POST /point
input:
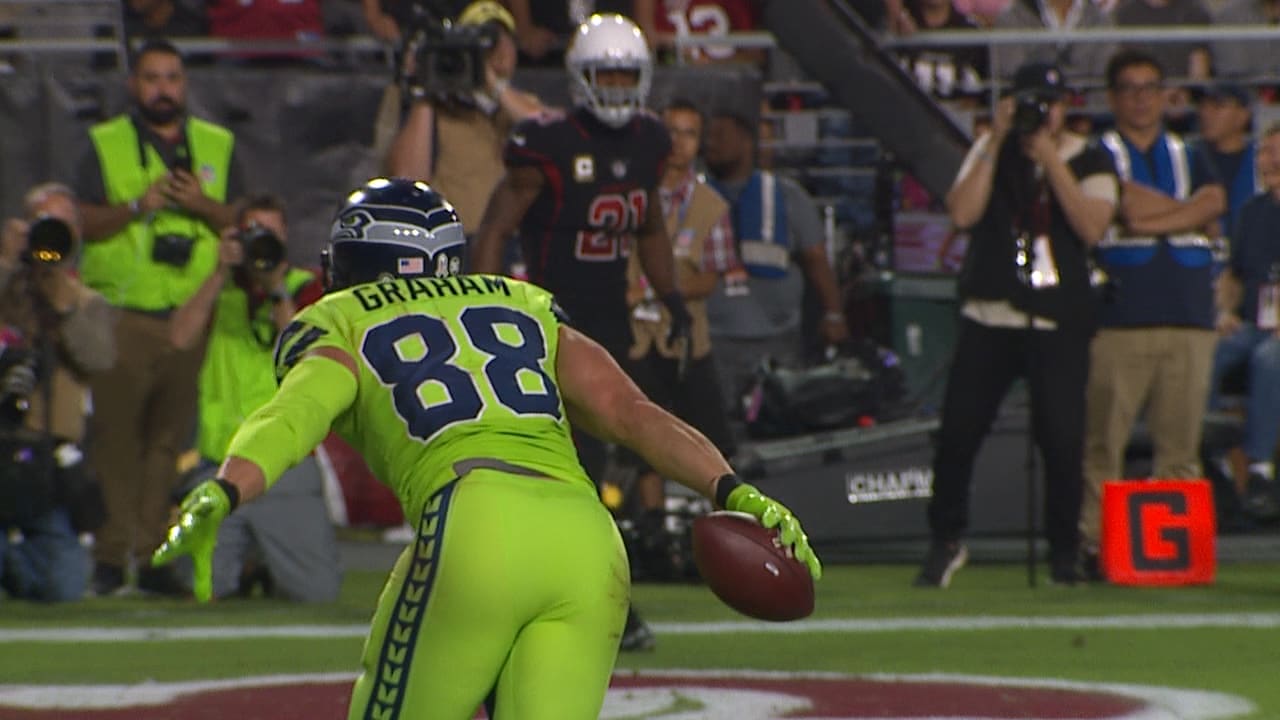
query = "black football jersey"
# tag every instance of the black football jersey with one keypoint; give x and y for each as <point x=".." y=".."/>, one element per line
<point x="578" y="233"/>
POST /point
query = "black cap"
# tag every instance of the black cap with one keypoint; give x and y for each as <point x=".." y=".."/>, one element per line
<point x="1226" y="91"/>
<point x="1041" y="78"/>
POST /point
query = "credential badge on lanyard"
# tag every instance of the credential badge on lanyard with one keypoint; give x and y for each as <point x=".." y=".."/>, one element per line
<point x="1269" y="300"/>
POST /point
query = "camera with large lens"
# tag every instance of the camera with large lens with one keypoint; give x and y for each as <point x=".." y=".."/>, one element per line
<point x="449" y="58"/>
<point x="49" y="241"/>
<point x="1030" y="111"/>
<point x="263" y="249"/>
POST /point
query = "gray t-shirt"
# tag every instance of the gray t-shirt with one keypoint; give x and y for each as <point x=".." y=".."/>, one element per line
<point x="771" y="306"/>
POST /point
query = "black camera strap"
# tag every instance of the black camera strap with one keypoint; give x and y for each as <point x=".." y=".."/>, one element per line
<point x="1036" y="216"/>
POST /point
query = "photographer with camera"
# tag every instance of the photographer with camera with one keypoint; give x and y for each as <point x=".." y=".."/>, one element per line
<point x="154" y="189"/>
<point x="463" y="107"/>
<point x="239" y="312"/>
<point x="54" y="333"/>
<point x="1034" y="198"/>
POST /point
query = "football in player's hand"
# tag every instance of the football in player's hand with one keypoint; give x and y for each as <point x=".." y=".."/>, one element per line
<point x="746" y="567"/>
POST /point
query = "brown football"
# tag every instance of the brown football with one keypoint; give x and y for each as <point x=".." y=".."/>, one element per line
<point x="745" y="567"/>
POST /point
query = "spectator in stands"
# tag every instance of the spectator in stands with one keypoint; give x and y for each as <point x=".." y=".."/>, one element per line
<point x="1078" y="61"/>
<point x="54" y="333"/>
<point x="1226" y="114"/>
<point x="755" y="313"/>
<point x="161" y="18"/>
<point x="1188" y="60"/>
<point x="456" y="143"/>
<point x="1241" y="58"/>
<point x="664" y="20"/>
<point x="1247" y="324"/>
<point x="1035" y="198"/>
<point x="239" y="312"/>
<point x="265" y="19"/>
<point x="698" y="222"/>
<point x="381" y="19"/>
<point x="154" y="189"/>
<point x="952" y="73"/>
<point x="544" y="27"/>
<point x="1155" y="345"/>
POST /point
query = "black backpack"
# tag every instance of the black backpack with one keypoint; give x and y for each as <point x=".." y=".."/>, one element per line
<point x="863" y="383"/>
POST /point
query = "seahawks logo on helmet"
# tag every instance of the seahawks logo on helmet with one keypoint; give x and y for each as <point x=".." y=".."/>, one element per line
<point x="393" y="228"/>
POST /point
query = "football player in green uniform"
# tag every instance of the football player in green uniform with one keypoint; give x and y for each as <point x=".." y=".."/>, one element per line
<point x="459" y="391"/>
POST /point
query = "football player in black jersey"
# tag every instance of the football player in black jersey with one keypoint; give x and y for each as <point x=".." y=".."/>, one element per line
<point x="582" y="188"/>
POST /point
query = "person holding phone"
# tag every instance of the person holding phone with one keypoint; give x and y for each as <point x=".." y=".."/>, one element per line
<point x="156" y="187"/>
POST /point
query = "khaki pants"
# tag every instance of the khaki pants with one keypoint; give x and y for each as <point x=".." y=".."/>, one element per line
<point x="1166" y="370"/>
<point x="144" y="416"/>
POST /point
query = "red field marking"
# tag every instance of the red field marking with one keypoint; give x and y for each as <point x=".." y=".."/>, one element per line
<point x="742" y="698"/>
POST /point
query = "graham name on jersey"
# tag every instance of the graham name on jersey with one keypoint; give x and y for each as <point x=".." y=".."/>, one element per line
<point x="376" y="295"/>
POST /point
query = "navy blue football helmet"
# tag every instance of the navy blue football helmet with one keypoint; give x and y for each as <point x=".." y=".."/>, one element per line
<point x="392" y="228"/>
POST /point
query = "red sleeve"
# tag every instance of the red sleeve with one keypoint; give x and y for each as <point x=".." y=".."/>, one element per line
<point x="309" y="293"/>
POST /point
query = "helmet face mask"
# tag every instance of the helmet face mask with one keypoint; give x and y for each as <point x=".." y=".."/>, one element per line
<point x="389" y="229"/>
<point x="609" y="42"/>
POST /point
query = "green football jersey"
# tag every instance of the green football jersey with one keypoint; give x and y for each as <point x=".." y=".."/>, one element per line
<point x="450" y="369"/>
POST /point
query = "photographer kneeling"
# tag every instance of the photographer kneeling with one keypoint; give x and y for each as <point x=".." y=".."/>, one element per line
<point x="243" y="307"/>
<point x="54" y="332"/>
<point x="1034" y="198"/>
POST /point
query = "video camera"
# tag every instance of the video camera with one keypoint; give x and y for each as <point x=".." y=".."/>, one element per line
<point x="263" y="249"/>
<point x="449" y="59"/>
<point x="49" y="241"/>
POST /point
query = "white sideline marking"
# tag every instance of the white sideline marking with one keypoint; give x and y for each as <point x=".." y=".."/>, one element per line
<point x="844" y="625"/>
<point x="1163" y="703"/>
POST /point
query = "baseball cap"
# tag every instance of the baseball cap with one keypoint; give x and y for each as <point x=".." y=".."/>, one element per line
<point x="1226" y="91"/>
<point x="1041" y="78"/>
<point x="487" y="11"/>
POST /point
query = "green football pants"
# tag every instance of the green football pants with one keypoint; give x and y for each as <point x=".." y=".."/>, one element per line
<point x="514" y="593"/>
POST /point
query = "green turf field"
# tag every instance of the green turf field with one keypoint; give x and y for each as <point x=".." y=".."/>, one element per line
<point x="1085" y="634"/>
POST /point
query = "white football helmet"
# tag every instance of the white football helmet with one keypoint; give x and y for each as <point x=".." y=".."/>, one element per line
<point x="609" y="42"/>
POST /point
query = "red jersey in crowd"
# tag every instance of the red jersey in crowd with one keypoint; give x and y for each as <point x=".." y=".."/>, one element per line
<point x="265" y="19"/>
<point x="706" y="17"/>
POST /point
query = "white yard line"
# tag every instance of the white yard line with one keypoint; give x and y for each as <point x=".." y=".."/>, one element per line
<point x="927" y="624"/>
<point x="1162" y="703"/>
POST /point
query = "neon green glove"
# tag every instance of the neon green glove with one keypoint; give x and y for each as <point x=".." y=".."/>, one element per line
<point x="771" y="513"/>
<point x="196" y="533"/>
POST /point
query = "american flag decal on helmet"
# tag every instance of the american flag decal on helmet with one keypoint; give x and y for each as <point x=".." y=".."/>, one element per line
<point x="409" y="265"/>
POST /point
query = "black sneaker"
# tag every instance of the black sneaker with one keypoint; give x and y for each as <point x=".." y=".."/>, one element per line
<point x="636" y="636"/>
<point x="107" y="580"/>
<point x="941" y="563"/>
<point x="1064" y="571"/>
<point x="159" y="581"/>
<point x="1260" y="498"/>
<point x="1091" y="567"/>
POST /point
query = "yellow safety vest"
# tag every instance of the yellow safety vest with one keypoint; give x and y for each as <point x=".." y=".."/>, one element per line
<point x="120" y="266"/>
<point x="238" y="375"/>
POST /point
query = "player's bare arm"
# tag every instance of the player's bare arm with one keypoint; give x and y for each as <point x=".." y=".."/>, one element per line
<point x="654" y="245"/>
<point x="509" y="202"/>
<point x="601" y="399"/>
<point x="296" y="413"/>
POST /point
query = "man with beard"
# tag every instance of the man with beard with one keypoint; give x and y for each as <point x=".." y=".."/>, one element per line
<point x="154" y="188"/>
